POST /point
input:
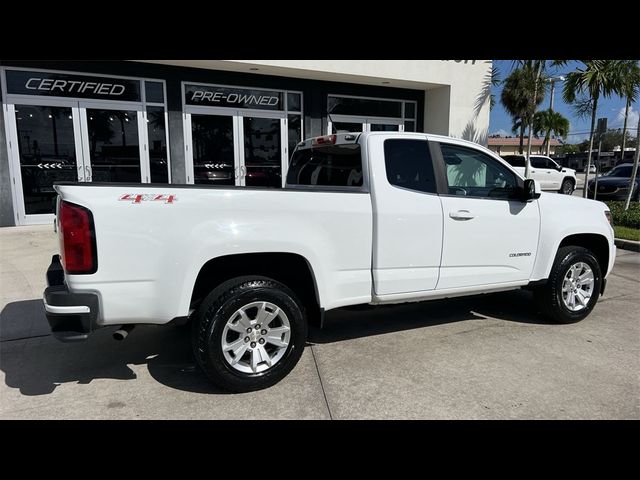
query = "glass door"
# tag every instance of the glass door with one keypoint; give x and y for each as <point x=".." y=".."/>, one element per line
<point x="47" y="150"/>
<point x="262" y="151"/>
<point x="113" y="150"/>
<point x="235" y="147"/>
<point x="213" y="149"/>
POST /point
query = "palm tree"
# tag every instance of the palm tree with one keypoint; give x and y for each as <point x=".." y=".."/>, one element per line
<point x="549" y="122"/>
<point x="495" y="81"/>
<point x="597" y="78"/>
<point x="515" y="98"/>
<point x="631" y="90"/>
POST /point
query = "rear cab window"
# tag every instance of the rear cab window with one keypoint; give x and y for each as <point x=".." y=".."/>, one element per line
<point x="327" y="165"/>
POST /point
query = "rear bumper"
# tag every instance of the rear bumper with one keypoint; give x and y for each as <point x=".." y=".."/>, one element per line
<point x="71" y="316"/>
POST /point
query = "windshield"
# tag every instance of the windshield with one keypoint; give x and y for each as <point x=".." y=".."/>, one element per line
<point x="620" y="171"/>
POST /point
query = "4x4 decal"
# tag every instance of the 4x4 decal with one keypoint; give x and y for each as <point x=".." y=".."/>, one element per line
<point x="148" y="197"/>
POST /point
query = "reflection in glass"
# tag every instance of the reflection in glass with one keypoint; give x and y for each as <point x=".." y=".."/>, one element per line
<point x="384" y="127"/>
<point x="47" y="152"/>
<point x="213" y="158"/>
<point x="342" y="127"/>
<point x="114" y="147"/>
<point x="157" y="145"/>
<point x="262" y="152"/>
<point x="295" y="132"/>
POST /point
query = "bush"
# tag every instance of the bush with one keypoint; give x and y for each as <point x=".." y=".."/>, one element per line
<point x="625" y="218"/>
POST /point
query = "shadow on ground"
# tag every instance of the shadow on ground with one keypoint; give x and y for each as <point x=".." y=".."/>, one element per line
<point x="366" y="320"/>
<point x="38" y="365"/>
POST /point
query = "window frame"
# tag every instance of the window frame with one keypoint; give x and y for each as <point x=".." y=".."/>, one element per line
<point x="444" y="191"/>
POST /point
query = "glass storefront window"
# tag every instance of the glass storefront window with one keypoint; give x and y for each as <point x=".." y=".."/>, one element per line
<point x="46" y="145"/>
<point x="364" y="107"/>
<point x="158" y="160"/>
<point x="409" y="126"/>
<point x="409" y="110"/>
<point x="295" y="132"/>
<point x="154" y="92"/>
<point x="294" y="102"/>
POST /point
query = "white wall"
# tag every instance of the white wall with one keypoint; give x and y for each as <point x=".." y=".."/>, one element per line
<point x="457" y="91"/>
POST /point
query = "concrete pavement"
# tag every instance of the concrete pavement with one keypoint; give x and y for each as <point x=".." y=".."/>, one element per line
<point x="489" y="356"/>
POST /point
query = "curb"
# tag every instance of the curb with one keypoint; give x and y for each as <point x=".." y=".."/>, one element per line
<point x="627" y="244"/>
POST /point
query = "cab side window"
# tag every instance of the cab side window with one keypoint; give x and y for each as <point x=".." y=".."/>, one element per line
<point x="408" y="164"/>
<point x="475" y="174"/>
<point x="537" y="162"/>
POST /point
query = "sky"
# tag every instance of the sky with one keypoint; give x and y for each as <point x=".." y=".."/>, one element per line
<point x="612" y="108"/>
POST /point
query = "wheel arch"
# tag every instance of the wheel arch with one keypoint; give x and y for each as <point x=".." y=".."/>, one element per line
<point x="594" y="242"/>
<point x="290" y="269"/>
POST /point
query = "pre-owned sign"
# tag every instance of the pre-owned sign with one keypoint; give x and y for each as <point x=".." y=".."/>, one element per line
<point x="213" y="96"/>
<point x="68" y="85"/>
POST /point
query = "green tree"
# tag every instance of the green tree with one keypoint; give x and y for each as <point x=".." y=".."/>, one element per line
<point x="613" y="138"/>
<point x="567" y="148"/>
<point x="549" y="122"/>
<point x="515" y="98"/>
<point x="595" y="79"/>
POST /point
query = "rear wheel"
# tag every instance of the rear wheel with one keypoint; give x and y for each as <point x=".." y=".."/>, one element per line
<point x="567" y="186"/>
<point x="573" y="287"/>
<point x="249" y="333"/>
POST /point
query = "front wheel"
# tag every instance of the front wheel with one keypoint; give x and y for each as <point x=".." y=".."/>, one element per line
<point x="249" y="333"/>
<point x="567" y="187"/>
<point x="573" y="287"/>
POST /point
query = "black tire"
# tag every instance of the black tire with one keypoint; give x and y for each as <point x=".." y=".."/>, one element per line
<point x="567" y="187"/>
<point x="549" y="296"/>
<point x="214" y="312"/>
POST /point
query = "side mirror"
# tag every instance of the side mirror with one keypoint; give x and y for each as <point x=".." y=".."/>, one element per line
<point x="530" y="190"/>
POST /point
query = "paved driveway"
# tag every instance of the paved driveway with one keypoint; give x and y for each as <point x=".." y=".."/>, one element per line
<point x="489" y="356"/>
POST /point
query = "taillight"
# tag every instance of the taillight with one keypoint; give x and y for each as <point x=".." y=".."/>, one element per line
<point x="324" y="140"/>
<point x="77" y="237"/>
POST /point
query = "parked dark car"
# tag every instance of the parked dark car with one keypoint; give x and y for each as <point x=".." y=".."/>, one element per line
<point x="615" y="184"/>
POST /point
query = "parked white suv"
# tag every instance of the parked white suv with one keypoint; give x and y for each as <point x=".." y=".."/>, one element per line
<point x="547" y="172"/>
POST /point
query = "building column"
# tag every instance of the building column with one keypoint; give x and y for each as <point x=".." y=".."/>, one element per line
<point x="7" y="215"/>
<point x="437" y="107"/>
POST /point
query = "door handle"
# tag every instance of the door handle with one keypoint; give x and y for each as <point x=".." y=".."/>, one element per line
<point x="462" y="215"/>
<point x="533" y="171"/>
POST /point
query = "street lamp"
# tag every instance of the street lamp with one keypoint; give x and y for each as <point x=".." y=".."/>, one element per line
<point x="553" y="81"/>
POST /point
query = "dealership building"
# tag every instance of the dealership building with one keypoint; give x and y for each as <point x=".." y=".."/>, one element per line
<point x="210" y="122"/>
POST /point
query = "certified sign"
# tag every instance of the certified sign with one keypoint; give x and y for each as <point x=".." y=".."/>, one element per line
<point x="68" y="85"/>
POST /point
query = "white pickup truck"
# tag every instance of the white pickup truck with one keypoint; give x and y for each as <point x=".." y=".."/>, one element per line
<point x="370" y="218"/>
